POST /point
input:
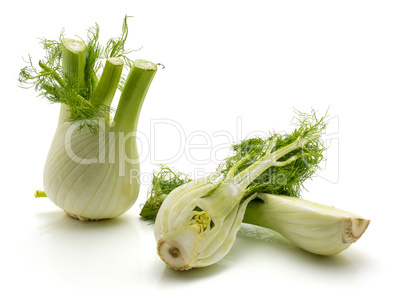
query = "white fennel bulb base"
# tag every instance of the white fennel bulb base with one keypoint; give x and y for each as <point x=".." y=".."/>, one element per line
<point x="85" y="178"/>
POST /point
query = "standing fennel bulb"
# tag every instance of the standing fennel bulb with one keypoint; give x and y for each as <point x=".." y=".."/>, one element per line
<point x="92" y="168"/>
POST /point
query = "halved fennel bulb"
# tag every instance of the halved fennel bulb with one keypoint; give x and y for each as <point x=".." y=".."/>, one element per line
<point x="197" y="223"/>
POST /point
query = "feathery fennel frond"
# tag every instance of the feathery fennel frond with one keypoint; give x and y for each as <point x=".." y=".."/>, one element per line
<point x="293" y="169"/>
<point x="115" y="47"/>
<point x="164" y="181"/>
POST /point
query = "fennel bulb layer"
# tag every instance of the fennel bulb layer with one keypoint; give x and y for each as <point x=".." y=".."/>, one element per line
<point x="314" y="227"/>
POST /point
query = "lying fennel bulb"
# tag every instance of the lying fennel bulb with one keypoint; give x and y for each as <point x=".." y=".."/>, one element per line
<point x="197" y="222"/>
<point x="316" y="228"/>
<point x="92" y="168"/>
<point x="313" y="227"/>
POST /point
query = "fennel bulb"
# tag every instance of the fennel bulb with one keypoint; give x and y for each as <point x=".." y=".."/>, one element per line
<point x="316" y="228"/>
<point x="197" y="223"/>
<point x="92" y="168"/>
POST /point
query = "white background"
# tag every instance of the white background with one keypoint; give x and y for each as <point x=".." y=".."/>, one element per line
<point x="226" y="61"/>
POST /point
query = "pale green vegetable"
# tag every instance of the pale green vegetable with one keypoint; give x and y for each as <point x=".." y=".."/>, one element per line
<point x="197" y="223"/>
<point x="92" y="168"/>
<point x="317" y="228"/>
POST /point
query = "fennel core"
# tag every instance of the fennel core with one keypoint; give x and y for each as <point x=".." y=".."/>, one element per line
<point x="84" y="78"/>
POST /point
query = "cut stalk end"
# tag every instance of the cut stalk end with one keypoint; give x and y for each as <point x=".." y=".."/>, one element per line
<point x="74" y="46"/>
<point x="115" y="61"/>
<point x="145" y="65"/>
